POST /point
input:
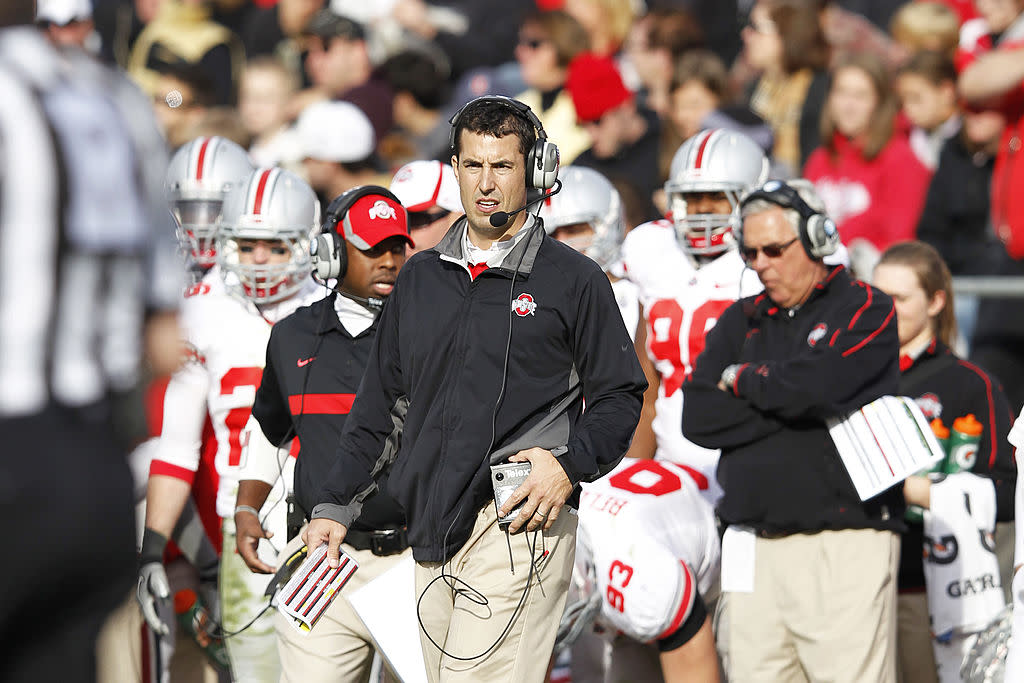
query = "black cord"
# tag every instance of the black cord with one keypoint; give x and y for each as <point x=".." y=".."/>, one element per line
<point x="454" y="582"/>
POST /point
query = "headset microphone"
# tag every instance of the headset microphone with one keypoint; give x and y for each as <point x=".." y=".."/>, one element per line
<point x="501" y="218"/>
<point x="372" y="302"/>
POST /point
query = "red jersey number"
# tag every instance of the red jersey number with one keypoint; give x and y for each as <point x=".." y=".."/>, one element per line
<point x="667" y="481"/>
<point x="235" y="419"/>
<point x="619" y="575"/>
<point x="665" y="331"/>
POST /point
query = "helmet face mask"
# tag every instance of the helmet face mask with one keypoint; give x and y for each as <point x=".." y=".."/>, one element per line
<point x="276" y="206"/>
<point x="711" y="162"/>
<point x="199" y="176"/>
<point x="588" y="199"/>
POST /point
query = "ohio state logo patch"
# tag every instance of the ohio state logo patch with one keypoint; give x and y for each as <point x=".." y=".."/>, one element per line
<point x="930" y="405"/>
<point x="524" y="305"/>
<point x="817" y="334"/>
<point x="381" y="209"/>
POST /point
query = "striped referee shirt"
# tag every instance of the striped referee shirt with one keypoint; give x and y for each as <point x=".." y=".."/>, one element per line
<point x="86" y="240"/>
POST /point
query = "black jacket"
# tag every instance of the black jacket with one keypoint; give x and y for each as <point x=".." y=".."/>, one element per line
<point x="779" y="468"/>
<point x="948" y="387"/>
<point x="311" y="376"/>
<point x="426" y="404"/>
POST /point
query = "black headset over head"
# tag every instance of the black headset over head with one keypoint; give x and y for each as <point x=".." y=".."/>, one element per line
<point x="818" y="233"/>
<point x="541" y="161"/>
<point x="327" y="251"/>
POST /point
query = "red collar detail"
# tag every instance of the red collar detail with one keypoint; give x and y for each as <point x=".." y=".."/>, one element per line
<point x="476" y="268"/>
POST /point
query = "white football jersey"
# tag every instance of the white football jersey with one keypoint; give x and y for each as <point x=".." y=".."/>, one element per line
<point x="647" y="540"/>
<point x="680" y="304"/>
<point x="226" y="340"/>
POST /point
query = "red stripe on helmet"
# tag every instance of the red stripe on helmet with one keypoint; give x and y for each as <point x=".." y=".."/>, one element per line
<point x="700" y="150"/>
<point x="202" y="158"/>
<point x="260" y="188"/>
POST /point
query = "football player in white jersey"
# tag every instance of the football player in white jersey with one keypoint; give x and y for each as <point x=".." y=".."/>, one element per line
<point x="199" y="176"/>
<point x="647" y="557"/>
<point x="587" y="214"/>
<point x="688" y="271"/>
<point x="262" y="256"/>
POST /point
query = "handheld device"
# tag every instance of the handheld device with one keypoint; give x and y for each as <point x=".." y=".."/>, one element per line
<point x="505" y="479"/>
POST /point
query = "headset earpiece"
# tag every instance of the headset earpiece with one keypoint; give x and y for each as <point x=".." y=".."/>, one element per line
<point x="818" y="233"/>
<point x="327" y="251"/>
<point x="541" y="161"/>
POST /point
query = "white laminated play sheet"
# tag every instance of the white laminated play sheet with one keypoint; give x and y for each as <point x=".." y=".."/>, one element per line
<point x="312" y="588"/>
<point x="883" y="443"/>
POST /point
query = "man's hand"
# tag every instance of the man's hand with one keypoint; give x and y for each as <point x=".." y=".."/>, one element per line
<point x="320" y="531"/>
<point x="545" y="491"/>
<point x="153" y="591"/>
<point x="248" y="532"/>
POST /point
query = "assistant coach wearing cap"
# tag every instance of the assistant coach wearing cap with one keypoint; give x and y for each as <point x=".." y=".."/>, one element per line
<point x="485" y="352"/>
<point x="315" y="360"/>
<point x="821" y="604"/>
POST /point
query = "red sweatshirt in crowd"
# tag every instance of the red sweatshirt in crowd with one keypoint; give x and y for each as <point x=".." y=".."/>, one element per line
<point x="878" y="200"/>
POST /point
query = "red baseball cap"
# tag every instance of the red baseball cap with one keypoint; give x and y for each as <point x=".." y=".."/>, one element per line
<point x="373" y="219"/>
<point x="595" y="85"/>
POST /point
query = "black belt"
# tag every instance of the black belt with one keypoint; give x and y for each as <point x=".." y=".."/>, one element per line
<point x="379" y="542"/>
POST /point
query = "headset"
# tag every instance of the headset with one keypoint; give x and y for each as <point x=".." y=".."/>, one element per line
<point x="818" y="233"/>
<point x="327" y="251"/>
<point x="541" y="161"/>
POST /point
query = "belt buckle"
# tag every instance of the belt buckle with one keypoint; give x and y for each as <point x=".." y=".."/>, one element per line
<point x="384" y="542"/>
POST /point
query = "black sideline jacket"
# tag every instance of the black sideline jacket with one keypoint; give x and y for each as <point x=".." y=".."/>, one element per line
<point x="425" y="406"/>
<point x="311" y="376"/>
<point x="779" y="468"/>
<point x="946" y="386"/>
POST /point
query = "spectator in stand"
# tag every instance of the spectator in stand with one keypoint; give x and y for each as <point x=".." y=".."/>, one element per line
<point x="264" y="96"/>
<point x="430" y="194"/>
<point x="871" y="182"/>
<point x="946" y="388"/>
<point x="548" y="42"/>
<point x="421" y="129"/>
<point x="624" y="137"/>
<point x="992" y="66"/>
<point x="956" y="215"/>
<point x="277" y="30"/>
<point x="182" y="94"/>
<point x="786" y="43"/>
<point x="607" y="22"/>
<point x="337" y="148"/>
<point x="927" y="89"/>
<point x="183" y="33"/>
<point x="656" y="43"/>
<point x="339" y="67"/>
<point x="68" y="22"/>
<point x="926" y="26"/>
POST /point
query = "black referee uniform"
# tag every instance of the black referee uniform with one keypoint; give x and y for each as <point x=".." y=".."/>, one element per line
<point x="81" y="170"/>
<point x="311" y="376"/>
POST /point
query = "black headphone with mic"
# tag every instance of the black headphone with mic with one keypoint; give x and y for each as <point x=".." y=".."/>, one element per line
<point x="327" y="251"/>
<point x="501" y="218"/>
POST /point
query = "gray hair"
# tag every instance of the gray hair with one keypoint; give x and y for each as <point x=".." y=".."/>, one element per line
<point x="805" y="188"/>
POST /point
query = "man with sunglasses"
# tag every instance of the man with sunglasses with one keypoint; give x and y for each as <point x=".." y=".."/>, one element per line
<point x="809" y="571"/>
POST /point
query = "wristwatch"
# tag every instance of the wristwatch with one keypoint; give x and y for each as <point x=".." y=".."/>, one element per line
<point x="729" y="375"/>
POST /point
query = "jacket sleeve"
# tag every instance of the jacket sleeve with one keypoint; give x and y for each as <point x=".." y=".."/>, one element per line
<point x="369" y="442"/>
<point x="270" y="408"/>
<point x="995" y="458"/>
<point x="714" y="418"/>
<point x="612" y="380"/>
<point x="855" y="362"/>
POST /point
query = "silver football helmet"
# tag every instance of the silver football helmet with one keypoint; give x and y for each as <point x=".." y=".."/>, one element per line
<point x="270" y="204"/>
<point x="199" y="176"/>
<point x="587" y="197"/>
<point x="714" y="160"/>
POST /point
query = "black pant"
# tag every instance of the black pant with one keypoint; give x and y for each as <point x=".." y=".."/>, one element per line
<point x="66" y="499"/>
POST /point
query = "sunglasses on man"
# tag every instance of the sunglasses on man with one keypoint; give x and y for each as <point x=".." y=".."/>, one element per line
<point x="749" y="254"/>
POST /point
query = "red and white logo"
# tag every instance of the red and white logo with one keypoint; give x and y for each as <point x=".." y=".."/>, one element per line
<point x="817" y="334"/>
<point x="381" y="209"/>
<point x="930" y="405"/>
<point x="524" y="305"/>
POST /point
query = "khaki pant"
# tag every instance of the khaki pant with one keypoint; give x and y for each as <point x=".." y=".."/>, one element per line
<point x="455" y="620"/>
<point x="916" y="660"/>
<point x="339" y="648"/>
<point x="823" y="609"/>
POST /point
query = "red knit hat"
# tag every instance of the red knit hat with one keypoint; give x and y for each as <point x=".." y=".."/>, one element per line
<point x="595" y="85"/>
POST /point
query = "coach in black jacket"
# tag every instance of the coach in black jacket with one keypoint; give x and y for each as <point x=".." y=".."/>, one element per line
<point x="485" y="352"/>
<point x="815" y="344"/>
